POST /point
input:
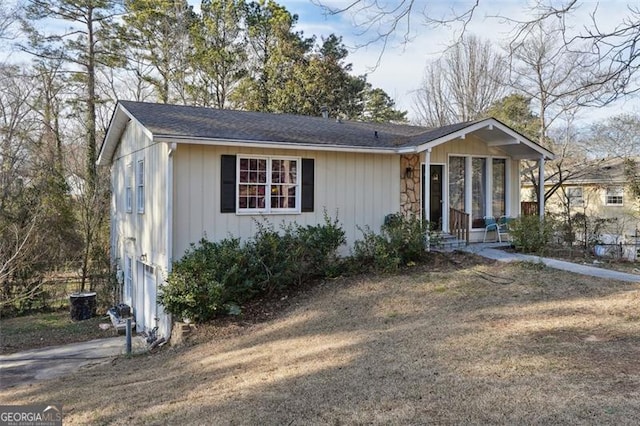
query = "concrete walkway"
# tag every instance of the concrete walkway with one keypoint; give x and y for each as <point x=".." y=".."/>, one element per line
<point x="46" y="363"/>
<point x="491" y="251"/>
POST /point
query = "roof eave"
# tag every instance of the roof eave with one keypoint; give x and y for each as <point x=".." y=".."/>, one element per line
<point x="117" y="125"/>
<point x="270" y="144"/>
<point x="481" y="124"/>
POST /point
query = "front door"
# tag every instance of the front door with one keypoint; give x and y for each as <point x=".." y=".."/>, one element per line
<point x="435" y="195"/>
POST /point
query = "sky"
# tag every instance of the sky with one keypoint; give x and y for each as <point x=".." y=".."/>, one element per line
<point x="401" y="67"/>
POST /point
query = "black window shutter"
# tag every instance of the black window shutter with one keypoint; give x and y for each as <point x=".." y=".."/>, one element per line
<point x="228" y="184"/>
<point x="307" y="184"/>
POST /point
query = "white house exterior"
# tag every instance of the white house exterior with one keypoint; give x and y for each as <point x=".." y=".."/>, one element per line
<point x="182" y="173"/>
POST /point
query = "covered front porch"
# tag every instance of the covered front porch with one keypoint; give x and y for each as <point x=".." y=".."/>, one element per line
<point x="456" y="180"/>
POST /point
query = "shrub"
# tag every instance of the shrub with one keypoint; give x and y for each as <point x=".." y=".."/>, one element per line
<point x="373" y="252"/>
<point x="401" y="241"/>
<point x="216" y="277"/>
<point x="320" y="245"/>
<point x="274" y="259"/>
<point x="530" y="234"/>
<point x="206" y="277"/>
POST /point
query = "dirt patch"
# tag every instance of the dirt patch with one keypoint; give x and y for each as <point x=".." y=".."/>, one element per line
<point x="477" y="343"/>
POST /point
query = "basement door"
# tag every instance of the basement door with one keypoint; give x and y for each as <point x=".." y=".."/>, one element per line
<point x="145" y="300"/>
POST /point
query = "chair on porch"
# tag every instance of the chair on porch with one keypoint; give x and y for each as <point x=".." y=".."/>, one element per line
<point x="490" y="224"/>
<point x="504" y="228"/>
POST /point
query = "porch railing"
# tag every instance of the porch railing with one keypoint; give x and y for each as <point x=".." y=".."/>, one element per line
<point x="459" y="224"/>
<point x="529" y="208"/>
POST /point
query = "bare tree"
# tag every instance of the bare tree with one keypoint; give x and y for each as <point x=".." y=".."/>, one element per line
<point x="610" y="58"/>
<point x="37" y="226"/>
<point x="616" y="136"/>
<point x="613" y="55"/>
<point x="380" y="21"/>
<point x="8" y="19"/>
<point x="545" y="71"/>
<point x="461" y="85"/>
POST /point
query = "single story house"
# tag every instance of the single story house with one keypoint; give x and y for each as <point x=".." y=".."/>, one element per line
<point x="180" y="173"/>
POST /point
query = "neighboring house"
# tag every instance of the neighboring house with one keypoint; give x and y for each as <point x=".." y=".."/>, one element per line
<point x="181" y="173"/>
<point x="598" y="192"/>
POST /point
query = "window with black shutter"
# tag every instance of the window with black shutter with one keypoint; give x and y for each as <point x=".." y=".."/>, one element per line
<point x="228" y="184"/>
<point x="262" y="184"/>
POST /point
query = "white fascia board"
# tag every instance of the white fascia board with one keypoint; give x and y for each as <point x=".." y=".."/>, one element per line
<point x="407" y="150"/>
<point x="272" y="145"/>
<point x="112" y="138"/>
<point x="517" y="136"/>
<point x="451" y="136"/>
<point x="488" y="123"/>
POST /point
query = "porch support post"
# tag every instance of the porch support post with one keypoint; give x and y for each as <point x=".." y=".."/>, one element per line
<point x="426" y="197"/>
<point x="541" y="187"/>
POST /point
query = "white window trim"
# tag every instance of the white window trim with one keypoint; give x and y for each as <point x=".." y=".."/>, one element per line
<point x="140" y="186"/>
<point x="128" y="189"/>
<point x="616" y="189"/>
<point x="488" y="169"/>
<point x="268" y="209"/>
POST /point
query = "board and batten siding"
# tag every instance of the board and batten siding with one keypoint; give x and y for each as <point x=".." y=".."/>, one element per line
<point x="360" y="188"/>
<point x="141" y="236"/>
<point x="148" y="229"/>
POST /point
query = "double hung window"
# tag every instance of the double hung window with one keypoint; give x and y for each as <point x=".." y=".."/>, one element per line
<point x="140" y="186"/>
<point x="268" y="184"/>
<point x="614" y="196"/>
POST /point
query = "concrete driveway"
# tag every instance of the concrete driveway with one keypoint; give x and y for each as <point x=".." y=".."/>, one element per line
<point x="45" y="363"/>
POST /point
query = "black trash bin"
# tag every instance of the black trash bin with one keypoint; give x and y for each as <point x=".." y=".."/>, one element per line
<point x="83" y="305"/>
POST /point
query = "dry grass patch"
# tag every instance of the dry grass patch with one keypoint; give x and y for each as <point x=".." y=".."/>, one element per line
<point x="48" y="329"/>
<point x="476" y="343"/>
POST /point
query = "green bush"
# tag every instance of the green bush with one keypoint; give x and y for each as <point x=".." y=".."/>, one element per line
<point x="373" y="251"/>
<point x="400" y="242"/>
<point x="530" y="234"/>
<point x="320" y="245"/>
<point x="274" y="258"/>
<point x="213" y="278"/>
<point x="206" y="277"/>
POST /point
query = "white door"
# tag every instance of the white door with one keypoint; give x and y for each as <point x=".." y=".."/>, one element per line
<point x="150" y="313"/>
<point x="138" y="297"/>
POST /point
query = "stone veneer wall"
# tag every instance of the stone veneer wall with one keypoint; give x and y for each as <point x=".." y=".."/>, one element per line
<point x="410" y="186"/>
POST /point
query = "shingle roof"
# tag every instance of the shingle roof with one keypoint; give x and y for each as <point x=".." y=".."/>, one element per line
<point x="197" y="122"/>
<point x="179" y="123"/>
<point x="607" y="170"/>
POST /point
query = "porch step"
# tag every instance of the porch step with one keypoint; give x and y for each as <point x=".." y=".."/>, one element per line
<point x="448" y="243"/>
